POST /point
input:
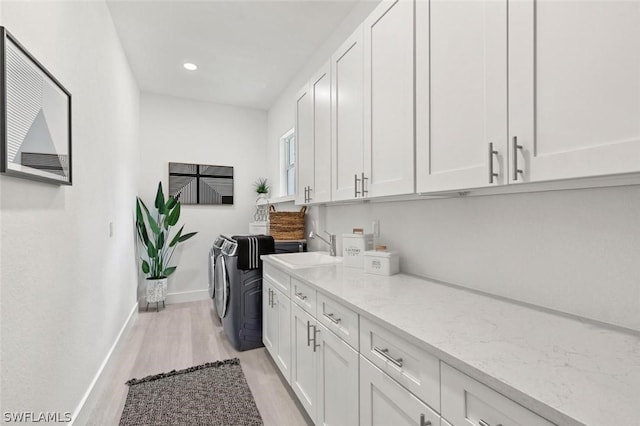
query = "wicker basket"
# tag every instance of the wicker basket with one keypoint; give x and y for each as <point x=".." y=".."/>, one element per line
<point x="286" y="225"/>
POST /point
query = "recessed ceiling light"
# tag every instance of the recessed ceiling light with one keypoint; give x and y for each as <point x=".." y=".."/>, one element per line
<point x="189" y="66"/>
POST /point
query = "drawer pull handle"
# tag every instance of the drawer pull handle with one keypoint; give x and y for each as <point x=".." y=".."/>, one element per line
<point x="332" y="318"/>
<point x="423" y="422"/>
<point x="385" y="353"/>
<point x="483" y="423"/>
<point x="301" y="296"/>
<point x="355" y="185"/>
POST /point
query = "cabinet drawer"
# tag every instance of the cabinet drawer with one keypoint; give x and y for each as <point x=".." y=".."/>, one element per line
<point x="339" y="319"/>
<point x="414" y="368"/>
<point x="467" y="402"/>
<point x="384" y="402"/>
<point x="280" y="280"/>
<point x="304" y="295"/>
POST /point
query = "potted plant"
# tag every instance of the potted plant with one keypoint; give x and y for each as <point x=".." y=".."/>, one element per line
<point x="155" y="235"/>
<point x="262" y="187"/>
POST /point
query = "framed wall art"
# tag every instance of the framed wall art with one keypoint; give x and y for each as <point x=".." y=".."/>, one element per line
<point x="201" y="183"/>
<point x="35" y="126"/>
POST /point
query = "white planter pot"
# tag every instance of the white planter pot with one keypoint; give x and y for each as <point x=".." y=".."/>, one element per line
<point x="156" y="291"/>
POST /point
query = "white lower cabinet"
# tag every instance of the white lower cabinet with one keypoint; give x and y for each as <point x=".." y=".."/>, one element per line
<point x="467" y="402"/>
<point x="324" y="371"/>
<point x="412" y="367"/>
<point x="384" y="402"/>
<point x="303" y="358"/>
<point x="337" y="377"/>
<point x="276" y="327"/>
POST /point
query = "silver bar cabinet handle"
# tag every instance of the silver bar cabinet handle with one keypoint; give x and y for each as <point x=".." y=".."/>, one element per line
<point x="492" y="152"/>
<point x="516" y="147"/>
<point x="483" y="423"/>
<point x="315" y="339"/>
<point x="308" y="333"/>
<point x="332" y="318"/>
<point x="270" y="298"/>
<point x="308" y="194"/>
<point x="385" y="353"/>
<point x="364" y="191"/>
<point x="301" y="296"/>
<point x="423" y="422"/>
<point x="355" y="185"/>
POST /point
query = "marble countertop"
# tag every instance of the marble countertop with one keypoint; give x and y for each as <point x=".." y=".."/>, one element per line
<point x="571" y="372"/>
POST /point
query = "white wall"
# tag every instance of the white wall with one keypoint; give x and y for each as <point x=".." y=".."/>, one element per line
<point x="184" y="131"/>
<point x="67" y="287"/>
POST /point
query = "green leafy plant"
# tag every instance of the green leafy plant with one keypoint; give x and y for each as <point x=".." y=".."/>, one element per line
<point x="155" y="234"/>
<point x="262" y="186"/>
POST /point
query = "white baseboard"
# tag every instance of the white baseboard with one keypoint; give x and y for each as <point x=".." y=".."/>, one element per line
<point x="78" y="414"/>
<point x="187" y="296"/>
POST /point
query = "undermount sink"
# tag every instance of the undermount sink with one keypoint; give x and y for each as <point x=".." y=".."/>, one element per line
<point x="306" y="259"/>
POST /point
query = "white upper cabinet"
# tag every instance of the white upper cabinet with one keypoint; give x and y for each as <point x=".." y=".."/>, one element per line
<point x="347" y="76"/>
<point x="574" y="89"/>
<point x="461" y="94"/>
<point x="320" y="85"/>
<point x="389" y="100"/>
<point x="304" y="143"/>
<point x="437" y="95"/>
<point x="313" y="136"/>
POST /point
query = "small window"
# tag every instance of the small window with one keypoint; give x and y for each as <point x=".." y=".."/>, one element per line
<point x="288" y="169"/>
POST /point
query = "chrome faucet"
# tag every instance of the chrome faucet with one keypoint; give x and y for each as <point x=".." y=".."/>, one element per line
<point x="331" y="242"/>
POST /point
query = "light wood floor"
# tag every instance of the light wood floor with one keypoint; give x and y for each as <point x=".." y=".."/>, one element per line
<point x="181" y="336"/>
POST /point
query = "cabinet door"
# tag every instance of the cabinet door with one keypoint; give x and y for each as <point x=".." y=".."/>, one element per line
<point x="337" y="380"/>
<point x="283" y="329"/>
<point x="384" y="402"/>
<point x="574" y="88"/>
<point x="347" y="74"/>
<point x="304" y="143"/>
<point x="303" y="358"/>
<point x="461" y="104"/>
<point x="321" y="91"/>
<point x="269" y="319"/>
<point x="388" y="99"/>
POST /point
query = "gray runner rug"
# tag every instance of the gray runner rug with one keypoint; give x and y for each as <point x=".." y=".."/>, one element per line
<point x="212" y="394"/>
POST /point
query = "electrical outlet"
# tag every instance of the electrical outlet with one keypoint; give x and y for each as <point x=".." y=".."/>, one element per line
<point x="375" y="225"/>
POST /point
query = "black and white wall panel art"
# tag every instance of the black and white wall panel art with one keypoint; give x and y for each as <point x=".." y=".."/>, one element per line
<point x="35" y="125"/>
<point x="201" y="183"/>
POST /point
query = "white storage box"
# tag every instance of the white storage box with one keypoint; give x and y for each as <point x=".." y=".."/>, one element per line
<point x="353" y="247"/>
<point x="257" y="228"/>
<point x="381" y="262"/>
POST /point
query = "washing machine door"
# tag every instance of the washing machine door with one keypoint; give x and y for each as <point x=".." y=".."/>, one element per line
<point x="221" y="284"/>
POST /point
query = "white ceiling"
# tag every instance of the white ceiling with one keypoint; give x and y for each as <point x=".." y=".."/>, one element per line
<point x="247" y="51"/>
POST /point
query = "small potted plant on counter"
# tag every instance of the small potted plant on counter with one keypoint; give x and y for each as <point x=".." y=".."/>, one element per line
<point x="154" y="234"/>
<point x="262" y="187"/>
